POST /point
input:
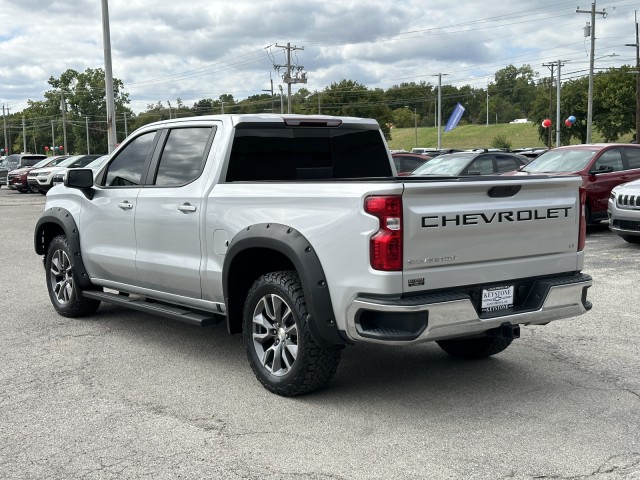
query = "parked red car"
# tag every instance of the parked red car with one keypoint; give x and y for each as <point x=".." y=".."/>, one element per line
<point x="17" y="179"/>
<point x="601" y="166"/>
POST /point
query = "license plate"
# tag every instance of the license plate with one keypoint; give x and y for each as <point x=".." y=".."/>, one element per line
<point x="497" y="298"/>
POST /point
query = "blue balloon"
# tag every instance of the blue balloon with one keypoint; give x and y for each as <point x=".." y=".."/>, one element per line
<point x="572" y="119"/>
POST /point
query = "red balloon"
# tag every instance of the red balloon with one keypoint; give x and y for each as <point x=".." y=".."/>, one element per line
<point x="546" y="123"/>
<point x="46" y="149"/>
<point x="61" y="147"/>
<point x="568" y="123"/>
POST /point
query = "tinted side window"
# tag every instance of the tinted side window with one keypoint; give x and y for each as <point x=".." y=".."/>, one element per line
<point x="183" y="156"/>
<point x="609" y="158"/>
<point x="633" y="156"/>
<point x="483" y="165"/>
<point x="506" y="164"/>
<point x="127" y="168"/>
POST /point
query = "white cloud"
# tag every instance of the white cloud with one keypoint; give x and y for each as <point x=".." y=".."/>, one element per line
<point x="198" y="49"/>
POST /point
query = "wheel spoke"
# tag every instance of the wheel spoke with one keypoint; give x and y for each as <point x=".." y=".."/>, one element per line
<point x="61" y="276"/>
<point x="275" y="334"/>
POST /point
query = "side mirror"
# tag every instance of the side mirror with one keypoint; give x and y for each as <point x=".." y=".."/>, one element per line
<point x="602" y="169"/>
<point x="80" y="178"/>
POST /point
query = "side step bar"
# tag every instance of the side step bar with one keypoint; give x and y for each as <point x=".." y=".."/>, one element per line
<point x="141" y="304"/>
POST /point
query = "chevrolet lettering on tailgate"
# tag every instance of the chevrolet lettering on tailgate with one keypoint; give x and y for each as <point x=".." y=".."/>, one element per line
<point x="435" y="221"/>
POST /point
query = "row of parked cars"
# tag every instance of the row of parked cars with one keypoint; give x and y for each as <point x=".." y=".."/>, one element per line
<point x="610" y="175"/>
<point x="38" y="173"/>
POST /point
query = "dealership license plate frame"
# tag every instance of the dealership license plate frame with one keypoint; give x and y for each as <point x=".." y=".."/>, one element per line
<point x="497" y="298"/>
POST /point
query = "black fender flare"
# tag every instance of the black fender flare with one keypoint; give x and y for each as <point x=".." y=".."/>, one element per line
<point x="63" y="219"/>
<point x="298" y="250"/>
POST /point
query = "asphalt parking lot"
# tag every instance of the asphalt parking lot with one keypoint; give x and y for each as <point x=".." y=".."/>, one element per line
<point x="126" y="395"/>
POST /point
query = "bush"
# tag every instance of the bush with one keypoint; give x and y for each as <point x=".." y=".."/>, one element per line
<point x="501" y="141"/>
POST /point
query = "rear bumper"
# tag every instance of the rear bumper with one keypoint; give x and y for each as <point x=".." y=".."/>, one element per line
<point x="449" y="315"/>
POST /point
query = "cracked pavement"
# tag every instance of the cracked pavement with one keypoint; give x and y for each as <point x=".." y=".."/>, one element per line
<point x="122" y="394"/>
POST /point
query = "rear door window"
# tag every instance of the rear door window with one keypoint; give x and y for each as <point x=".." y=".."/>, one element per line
<point x="632" y="155"/>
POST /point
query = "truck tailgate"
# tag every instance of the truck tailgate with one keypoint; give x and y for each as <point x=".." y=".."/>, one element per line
<point x="475" y="231"/>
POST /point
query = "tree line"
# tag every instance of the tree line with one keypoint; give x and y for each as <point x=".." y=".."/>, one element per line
<point x="515" y="92"/>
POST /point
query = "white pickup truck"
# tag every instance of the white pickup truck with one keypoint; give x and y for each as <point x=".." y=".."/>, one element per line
<point x="296" y="231"/>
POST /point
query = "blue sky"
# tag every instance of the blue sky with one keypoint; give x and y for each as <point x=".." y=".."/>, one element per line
<point x="164" y="50"/>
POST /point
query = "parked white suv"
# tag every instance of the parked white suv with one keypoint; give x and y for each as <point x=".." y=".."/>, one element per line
<point x="41" y="179"/>
<point x="624" y="211"/>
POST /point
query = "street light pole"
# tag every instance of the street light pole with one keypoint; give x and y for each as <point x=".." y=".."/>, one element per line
<point x="439" y="75"/>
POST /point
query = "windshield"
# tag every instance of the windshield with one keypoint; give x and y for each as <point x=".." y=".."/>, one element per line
<point x="448" y="164"/>
<point x="98" y="162"/>
<point x="68" y="161"/>
<point x="43" y="163"/>
<point x="561" y="161"/>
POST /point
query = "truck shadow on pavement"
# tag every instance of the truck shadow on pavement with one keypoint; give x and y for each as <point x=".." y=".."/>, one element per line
<point x="413" y="378"/>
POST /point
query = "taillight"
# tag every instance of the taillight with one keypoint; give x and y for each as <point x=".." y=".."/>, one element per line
<point x="582" y="235"/>
<point x="385" y="246"/>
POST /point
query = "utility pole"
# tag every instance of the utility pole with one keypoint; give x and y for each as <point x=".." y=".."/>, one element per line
<point x="126" y="130"/>
<point x="289" y="77"/>
<point x="281" y="100"/>
<point x="112" y="139"/>
<point x="86" y="122"/>
<point x="487" y="104"/>
<point x="63" y="107"/>
<point x="24" y="136"/>
<point x="267" y="90"/>
<point x="550" y="66"/>
<point x="6" y="141"/>
<point x="637" y="45"/>
<point x="590" y="30"/>
<point x="53" y="137"/>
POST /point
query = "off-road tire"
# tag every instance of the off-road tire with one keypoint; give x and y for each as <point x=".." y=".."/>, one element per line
<point x="474" y="348"/>
<point x="277" y="339"/>
<point x="62" y="282"/>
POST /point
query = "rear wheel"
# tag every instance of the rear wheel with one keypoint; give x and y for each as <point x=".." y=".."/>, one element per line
<point x="64" y="291"/>
<point x="475" y="348"/>
<point x="276" y="336"/>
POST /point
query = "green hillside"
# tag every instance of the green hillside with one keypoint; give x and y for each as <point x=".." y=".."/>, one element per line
<point x="474" y="136"/>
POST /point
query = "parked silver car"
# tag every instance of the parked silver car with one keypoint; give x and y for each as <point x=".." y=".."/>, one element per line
<point x="624" y="211"/>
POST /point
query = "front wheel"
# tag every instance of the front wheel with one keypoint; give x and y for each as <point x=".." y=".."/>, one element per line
<point x="276" y="336"/>
<point x="62" y="283"/>
<point x="475" y="348"/>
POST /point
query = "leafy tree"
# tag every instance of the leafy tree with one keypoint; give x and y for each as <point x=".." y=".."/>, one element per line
<point x="83" y="95"/>
<point x="514" y="91"/>
<point x="614" y="102"/>
<point x="403" y="118"/>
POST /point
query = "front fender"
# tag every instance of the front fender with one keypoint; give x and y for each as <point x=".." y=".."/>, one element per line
<point x="59" y="221"/>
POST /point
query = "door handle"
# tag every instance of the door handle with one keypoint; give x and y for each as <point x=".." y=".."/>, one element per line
<point x="187" y="207"/>
<point x="125" y="205"/>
